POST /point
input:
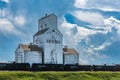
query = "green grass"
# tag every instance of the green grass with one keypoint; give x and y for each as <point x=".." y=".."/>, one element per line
<point x="19" y="75"/>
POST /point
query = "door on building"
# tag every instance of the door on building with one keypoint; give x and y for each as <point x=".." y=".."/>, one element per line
<point x="53" y="57"/>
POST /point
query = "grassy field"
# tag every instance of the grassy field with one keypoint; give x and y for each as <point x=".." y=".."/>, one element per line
<point x="4" y="75"/>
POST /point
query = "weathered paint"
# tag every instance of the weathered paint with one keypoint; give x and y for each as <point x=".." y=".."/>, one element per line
<point x="51" y="42"/>
<point x="19" y="55"/>
<point x="33" y="57"/>
<point x="71" y="58"/>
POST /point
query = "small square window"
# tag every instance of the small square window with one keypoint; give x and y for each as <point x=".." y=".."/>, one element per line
<point x="45" y="25"/>
<point x="41" y="26"/>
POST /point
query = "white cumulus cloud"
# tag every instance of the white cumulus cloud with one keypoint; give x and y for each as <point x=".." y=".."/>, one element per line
<point x="20" y="20"/>
<point x="7" y="1"/>
<point x="103" y="46"/>
<point x="80" y="3"/>
<point x="7" y="27"/>
<point x="80" y="33"/>
<point x="90" y="17"/>
<point x="9" y="23"/>
<point x="105" y="5"/>
<point x="79" y="36"/>
<point x="113" y="23"/>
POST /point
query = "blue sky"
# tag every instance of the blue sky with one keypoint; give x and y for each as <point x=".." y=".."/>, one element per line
<point x="92" y="27"/>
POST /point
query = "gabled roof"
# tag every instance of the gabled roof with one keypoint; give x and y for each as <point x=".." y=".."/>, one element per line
<point x="35" y="48"/>
<point x="30" y="47"/>
<point x="41" y="32"/>
<point x="25" y="47"/>
<point x="48" y="16"/>
<point x="69" y="51"/>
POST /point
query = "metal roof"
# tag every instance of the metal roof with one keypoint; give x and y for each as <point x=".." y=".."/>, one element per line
<point x="30" y="47"/>
<point x="70" y="51"/>
<point x="41" y="32"/>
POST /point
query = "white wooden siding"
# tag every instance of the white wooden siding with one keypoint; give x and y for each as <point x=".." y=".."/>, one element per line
<point x="71" y="59"/>
<point x="33" y="57"/>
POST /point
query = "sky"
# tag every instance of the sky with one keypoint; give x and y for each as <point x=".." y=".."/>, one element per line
<point x="92" y="27"/>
